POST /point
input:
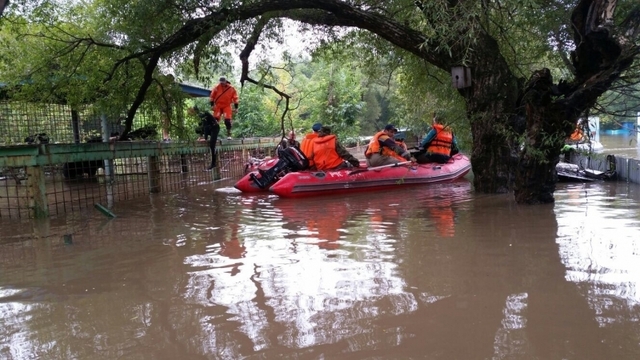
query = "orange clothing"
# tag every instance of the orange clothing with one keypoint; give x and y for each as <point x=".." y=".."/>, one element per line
<point x="442" y="142"/>
<point x="374" y="147"/>
<point x="221" y="97"/>
<point x="324" y="154"/>
<point x="576" y="135"/>
<point x="306" y="146"/>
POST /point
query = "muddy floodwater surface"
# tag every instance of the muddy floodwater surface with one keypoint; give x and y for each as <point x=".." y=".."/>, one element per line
<point x="429" y="272"/>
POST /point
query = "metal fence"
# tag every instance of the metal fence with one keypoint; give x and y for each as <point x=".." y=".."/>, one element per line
<point x="627" y="169"/>
<point x="58" y="179"/>
<point x="28" y="123"/>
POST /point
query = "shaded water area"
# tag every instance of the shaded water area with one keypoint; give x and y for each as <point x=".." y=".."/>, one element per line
<point x="430" y="272"/>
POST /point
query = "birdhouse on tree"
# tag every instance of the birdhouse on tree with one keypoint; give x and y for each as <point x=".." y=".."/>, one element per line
<point x="461" y="77"/>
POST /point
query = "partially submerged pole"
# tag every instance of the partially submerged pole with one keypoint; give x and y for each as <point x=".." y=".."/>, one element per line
<point x="108" y="163"/>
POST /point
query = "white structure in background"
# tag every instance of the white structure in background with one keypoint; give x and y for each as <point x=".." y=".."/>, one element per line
<point x="638" y="131"/>
<point x="594" y="127"/>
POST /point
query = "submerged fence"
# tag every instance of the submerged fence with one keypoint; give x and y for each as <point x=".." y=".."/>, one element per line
<point x="627" y="169"/>
<point x="50" y="179"/>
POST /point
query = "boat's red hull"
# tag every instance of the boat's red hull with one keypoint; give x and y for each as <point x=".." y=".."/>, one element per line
<point x="245" y="184"/>
<point x="312" y="183"/>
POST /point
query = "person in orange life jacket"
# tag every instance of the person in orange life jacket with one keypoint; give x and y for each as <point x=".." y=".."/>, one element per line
<point x="438" y="144"/>
<point x="209" y="127"/>
<point x="399" y="138"/>
<point x="328" y="154"/>
<point x="383" y="149"/>
<point x="221" y="98"/>
<point x="307" y="143"/>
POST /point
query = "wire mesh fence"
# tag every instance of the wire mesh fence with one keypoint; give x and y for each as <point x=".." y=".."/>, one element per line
<point x="76" y="185"/>
<point x="42" y="123"/>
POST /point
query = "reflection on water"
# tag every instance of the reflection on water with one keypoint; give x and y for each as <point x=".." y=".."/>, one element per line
<point x="425" y="272"/>
<point x="600" y="245"/>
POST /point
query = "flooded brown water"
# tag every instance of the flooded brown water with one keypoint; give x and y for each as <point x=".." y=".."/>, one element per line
<point x="432" y="272"/>
<point x="621" y="145"/>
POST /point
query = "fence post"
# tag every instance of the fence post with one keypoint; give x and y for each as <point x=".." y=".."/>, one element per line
<point x="216" y="170"/>
<point x="153" y="172"/>
<point x="108" y="163"/>
<point x="75" y="124"/>
<point x="183" y="164"/>
<point x="37" y="192"/>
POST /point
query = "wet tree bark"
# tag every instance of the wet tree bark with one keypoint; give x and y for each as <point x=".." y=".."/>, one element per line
<point x="489" y="102"/>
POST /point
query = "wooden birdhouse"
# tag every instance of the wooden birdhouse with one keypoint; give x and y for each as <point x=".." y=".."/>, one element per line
<point x="461" y="77"/>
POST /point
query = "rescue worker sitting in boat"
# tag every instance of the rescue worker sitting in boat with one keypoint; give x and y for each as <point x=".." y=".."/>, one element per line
<point x="579" y="134"/>
<point x="383" y="149"/>
<point x="438" y="145"/>
<point x="328" y="154"/>
<point x="307" y="143"/>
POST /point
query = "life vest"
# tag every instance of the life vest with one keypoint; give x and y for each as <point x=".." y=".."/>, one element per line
<point x="441" y="144"/>
<point x="307" y="146"/>
<point x="375" y="148"/>
<point x="325" y="156"/>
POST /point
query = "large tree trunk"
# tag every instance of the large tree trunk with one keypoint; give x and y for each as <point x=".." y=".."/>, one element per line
<point x="547" y="127"/>
<point x="490" y="102"/>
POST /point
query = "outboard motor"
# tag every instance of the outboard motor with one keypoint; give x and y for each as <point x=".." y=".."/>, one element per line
<point x="294" y="158"/>
<point x="290" y="159"/>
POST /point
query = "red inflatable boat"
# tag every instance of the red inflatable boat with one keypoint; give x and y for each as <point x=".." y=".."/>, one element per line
<point x="311" y="183"/>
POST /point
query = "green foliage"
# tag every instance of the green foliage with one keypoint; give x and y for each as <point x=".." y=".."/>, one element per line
<point x="253" y="118"/>
<point x="66" y="53"/>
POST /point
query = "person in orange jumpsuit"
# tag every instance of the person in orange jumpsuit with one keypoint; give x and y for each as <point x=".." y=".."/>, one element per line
<point x="222" y="97"/>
